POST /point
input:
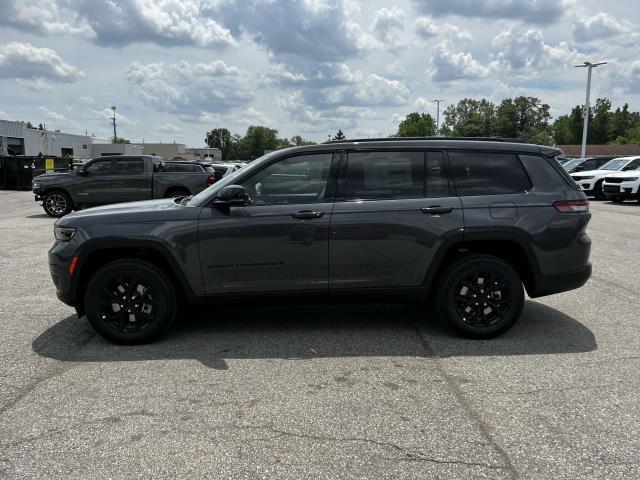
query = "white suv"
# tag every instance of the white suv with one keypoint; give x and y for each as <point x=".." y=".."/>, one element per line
<point x="623" y="185"/>
<point x="591" y="182"/>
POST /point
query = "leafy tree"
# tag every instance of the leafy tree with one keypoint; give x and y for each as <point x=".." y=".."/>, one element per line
<point x="120" y="140"/>
<point x="470" y="118"/>
<point x="298" y="141"/>
<point x="417" y="125"/>
<point x="562" y="133"/>
<point x="219" y="138"/>
<point x="601" y="122"/>
<point x="258" y="139"/>
<point x="339" y="135"/>
<point x="30" y="125"/>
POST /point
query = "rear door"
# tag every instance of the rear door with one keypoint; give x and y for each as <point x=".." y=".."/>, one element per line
<point x="129" y="180"/>
<point x="93" y="187"/>
<point x="393" y="210"/>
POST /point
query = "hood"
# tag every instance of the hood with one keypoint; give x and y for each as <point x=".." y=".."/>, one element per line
<point x="45" y="176"/>
<point x="627" y="173"/>
<point x="593" y="172"/>
<point x="162" y="210"/>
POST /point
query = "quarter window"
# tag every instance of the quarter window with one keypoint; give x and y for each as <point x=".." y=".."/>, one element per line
<point x="384" y="175"/>
<point x="293" y="180"/>
<point x="482" y="173"/>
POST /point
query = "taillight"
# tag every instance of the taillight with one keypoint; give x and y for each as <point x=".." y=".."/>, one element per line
<point x="577" y="206"/>
<point x="211" y="179"/>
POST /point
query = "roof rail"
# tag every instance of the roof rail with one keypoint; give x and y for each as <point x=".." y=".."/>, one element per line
<point x="397" y="139"/>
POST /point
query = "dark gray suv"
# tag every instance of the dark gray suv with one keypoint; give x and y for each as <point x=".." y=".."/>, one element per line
<point x="467" y="225"/>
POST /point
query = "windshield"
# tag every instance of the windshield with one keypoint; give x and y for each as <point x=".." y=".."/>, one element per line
<point x="615" y="164"/>
<point x="572" y="163"/>
<point x="208" y="194"/>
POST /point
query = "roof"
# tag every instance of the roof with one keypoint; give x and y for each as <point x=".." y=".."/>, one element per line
<point x="600" y="150"/>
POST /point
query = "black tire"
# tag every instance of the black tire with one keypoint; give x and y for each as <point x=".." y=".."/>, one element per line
<point x="176" y="192"/>
<point x="57" y="203"/>
<point x="598" y="194"/>
<point x="146" y="309"/>
<point x="617" y="200"/>
<point x="502" y="301"/>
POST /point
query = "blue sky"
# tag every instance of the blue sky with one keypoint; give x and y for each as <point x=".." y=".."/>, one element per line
<point x="177" y="68"/>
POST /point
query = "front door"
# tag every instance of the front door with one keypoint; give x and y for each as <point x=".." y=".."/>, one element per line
<point x="94" y="184"/>
<point x="393" y="210"/>
<point x="129" y="180"/>
<point x="277" y="243"/>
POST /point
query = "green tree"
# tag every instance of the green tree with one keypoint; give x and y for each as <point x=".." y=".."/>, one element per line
<point x="258" y="139"/>
<point x="562" y="133"/>
<point x="417" y="125"/>
<point x="470" y="118"/>
<point x="298" y="141"/>
<point x="120" y="140"/>
<point x="219" y="138"/>
<point x="601" y="127"/>
<point x="339" y="136"/>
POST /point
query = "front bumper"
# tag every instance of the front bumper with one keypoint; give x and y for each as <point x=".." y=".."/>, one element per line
<point x="620" y="190"/>
<point x="588" y="187"/>
<point x="37" y="192"/>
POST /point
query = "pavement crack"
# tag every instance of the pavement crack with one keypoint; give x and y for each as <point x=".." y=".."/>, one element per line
<point x="482" y="426"/>
<point x="408" y="454"/>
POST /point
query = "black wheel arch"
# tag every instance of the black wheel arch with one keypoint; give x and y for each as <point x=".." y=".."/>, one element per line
<point x="94" y="254"/>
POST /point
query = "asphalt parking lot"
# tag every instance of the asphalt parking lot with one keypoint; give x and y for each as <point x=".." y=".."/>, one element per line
<point x="322" y="391"/>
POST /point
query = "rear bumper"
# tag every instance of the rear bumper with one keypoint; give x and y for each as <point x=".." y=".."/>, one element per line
<point x="550" y="284"/>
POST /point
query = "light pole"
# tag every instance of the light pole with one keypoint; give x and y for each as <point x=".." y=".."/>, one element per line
<point x="115" y="135"/>
<point x="590" y="66"/>
<point x="437" y="102"/>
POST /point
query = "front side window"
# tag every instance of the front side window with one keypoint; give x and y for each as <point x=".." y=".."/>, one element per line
<point x="127" y="166"/>
<point x="484" y="173"/>
<point x="293" y="180"/>
<point x="384" y="175"/>
<point x="615" y="164"/>
<point x="99" y="167"/>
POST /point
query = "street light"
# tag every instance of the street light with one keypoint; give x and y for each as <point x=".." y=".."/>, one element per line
<point x="437" y="101"/>
<point x="589" y="66"/>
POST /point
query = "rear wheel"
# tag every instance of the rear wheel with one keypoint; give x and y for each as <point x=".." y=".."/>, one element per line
<point x="481" y="296"/>
<point x="130" y="302"/>
<point x="57" y="203"/>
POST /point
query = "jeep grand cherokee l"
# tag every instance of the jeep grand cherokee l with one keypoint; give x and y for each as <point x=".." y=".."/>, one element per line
<point x="466" y="224"/>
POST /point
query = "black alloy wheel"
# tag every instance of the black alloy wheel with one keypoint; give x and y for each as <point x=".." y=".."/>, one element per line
<point x="481" y="296"/>
<point x="130" y="301"/>
<point x="57" y="204"/>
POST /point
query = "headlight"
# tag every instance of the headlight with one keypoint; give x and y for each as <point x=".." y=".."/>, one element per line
<point x="35" y="184"/>
<point x="64" y="234"/>
<point x="630" y="179"/>
<point x="586" y="178"/>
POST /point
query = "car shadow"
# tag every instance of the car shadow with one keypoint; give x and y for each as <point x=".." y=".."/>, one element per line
<point x="38" y="215"/>
<point x="317" y="331"/>
<point x="627" y="203"/>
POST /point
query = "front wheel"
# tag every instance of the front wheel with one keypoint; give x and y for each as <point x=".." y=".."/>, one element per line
<point x="481" y="296"/>
<point x="130" y="302"/>
<point x="57" y="203"/>
<point x="598" y="194"/>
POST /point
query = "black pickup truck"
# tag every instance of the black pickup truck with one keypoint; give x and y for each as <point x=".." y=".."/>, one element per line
<point x="118" y="179"/>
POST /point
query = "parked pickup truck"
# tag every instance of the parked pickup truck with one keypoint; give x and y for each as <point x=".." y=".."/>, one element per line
<point x="117" y="179"/>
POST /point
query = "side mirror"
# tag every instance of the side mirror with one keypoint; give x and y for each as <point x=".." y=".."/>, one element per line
<point x="579" y="168"/>
<point x="232" y="196"/>
<point x="627" y="168"/>
<point x="82" y="172"/>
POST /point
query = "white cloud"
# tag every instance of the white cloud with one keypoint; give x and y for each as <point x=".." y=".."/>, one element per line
<point x="598" y="27"/>
<point x="395" y="70"/>
<point x="624" y="76"/>
<point x="107" y="114"/>
<point x="190" y="89"/>
<point x="168" y="128"/>
<point x="4" y="115"/>
<point x="299" y="110"/>
<point x="36" y="67"/>
<point x="388" y="24"/>
<point x="522" y="49"/>
<point x="427" y="29"/>
<point x="165" y="22"/>
<point x="531" y="11"/>
<point x="52" y="115"/>
<point x="448" y="64"/>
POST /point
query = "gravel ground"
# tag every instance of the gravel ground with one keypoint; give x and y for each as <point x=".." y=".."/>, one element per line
<point x="322" y="391"/>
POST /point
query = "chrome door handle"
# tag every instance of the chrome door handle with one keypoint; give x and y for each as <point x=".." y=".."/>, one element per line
<point x="436" y="210"/>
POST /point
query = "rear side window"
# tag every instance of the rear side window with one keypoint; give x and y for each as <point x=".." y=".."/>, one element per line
<point x="384" y="175"/>
<point x="437" y="183"/>
<point x="546" y="174"/>
<point x="181" y="168"/>
<point x="129" y="166"/>
<point x="487" y="173"/>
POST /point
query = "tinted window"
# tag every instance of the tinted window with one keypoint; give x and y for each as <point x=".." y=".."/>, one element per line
<point x="181" y="167"/>
<point x="384" y="175"/>
<point x="632" y="165"/>
<point x="99" y="167"/>
<point x="589" y="164"/>
<point x="129" y="166"/>
<point x="481" y="173"/>
<point x="437" y="183"/>
<point x="293" y="180"/>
